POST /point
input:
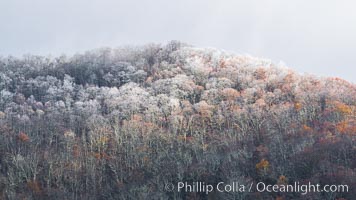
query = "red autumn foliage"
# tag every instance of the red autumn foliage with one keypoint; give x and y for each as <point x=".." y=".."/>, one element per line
<point x="23" y="137"/>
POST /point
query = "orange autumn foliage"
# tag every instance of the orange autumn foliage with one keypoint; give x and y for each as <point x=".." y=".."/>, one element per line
<point x="346" y="127"/>
<point x="230" y="93"/>
<point x="341" y="127"/>
<point x="307" y="128"/>
<point x="262" y="165"/>
<point x="101" y="155"/>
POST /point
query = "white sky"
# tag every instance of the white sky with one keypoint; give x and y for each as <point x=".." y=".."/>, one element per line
<point x="317" y="37"/>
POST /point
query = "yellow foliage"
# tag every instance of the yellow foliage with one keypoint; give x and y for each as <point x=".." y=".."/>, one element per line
<point x="329" y="135"/>
<point x="282" y="180"/>
<point x="262" y="165"/>
<point x="69" y="134"/>
<point x="297" y="106"/>
<point x="103" y="140"/>
<point x="342" y="108"/>
<point x="181" y="137"/>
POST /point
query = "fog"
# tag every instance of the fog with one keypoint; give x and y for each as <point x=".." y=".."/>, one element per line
<point x="316" y="37"/>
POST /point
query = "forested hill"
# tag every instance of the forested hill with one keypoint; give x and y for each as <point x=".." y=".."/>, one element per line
<point x="121" y="123"/>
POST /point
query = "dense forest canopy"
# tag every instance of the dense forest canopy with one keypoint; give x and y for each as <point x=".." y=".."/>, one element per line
<point x="121" y="123"/>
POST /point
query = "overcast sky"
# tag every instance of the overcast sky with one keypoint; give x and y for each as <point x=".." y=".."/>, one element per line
<point x="317" y="37"/>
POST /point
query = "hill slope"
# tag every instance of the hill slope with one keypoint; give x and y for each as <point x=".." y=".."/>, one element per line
<point x="122" y="123"/>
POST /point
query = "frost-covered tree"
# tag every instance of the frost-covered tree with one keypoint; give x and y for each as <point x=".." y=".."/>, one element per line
<point x="121" y="123"/>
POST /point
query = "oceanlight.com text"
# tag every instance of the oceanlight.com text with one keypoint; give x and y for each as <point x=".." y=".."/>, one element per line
<point x="236" y="187"/>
